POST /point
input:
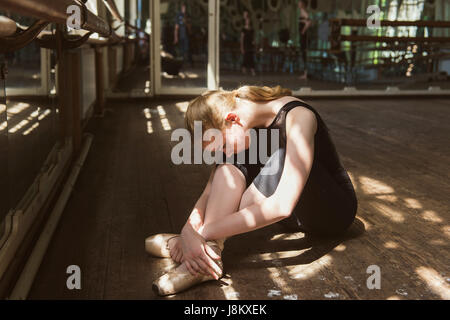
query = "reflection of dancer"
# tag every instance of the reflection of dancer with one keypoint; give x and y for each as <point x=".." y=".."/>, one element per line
<point x="307" y="188"/>
<point x="247" y="46"/>
<point x="303" y="25"/>
<point x="181" y="34"/>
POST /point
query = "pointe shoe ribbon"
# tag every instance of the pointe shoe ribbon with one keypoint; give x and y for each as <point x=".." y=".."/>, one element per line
<point x="158" y="244"/>
<point x="176" y="280"/>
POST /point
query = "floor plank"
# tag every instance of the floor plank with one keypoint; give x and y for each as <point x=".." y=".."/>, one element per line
<point x="396" y="152"/>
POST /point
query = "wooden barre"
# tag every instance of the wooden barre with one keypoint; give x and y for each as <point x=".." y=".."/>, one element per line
<point x="388" y="23"/>
<point x="56" y="11"/>
<point x="7" y="27"/>
<point x="390" y="39"/>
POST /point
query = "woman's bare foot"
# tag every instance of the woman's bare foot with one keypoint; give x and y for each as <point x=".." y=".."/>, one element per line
<point x="173" y="245"/>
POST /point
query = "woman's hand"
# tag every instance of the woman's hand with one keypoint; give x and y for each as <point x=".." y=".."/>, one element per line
<point x="176" y="250"/>
<point x="197" y="255"/>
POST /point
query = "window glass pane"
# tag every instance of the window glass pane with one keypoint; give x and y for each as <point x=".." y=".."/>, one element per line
<point x="287" y="42"/>
<point x="30" y="115"/>
<point x="135" y="54"/>
<point x="184" y="43"/>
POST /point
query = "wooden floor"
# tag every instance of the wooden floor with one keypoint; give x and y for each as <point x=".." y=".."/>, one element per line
<point x="136" y="79"/>
<point x="398" y="155"/>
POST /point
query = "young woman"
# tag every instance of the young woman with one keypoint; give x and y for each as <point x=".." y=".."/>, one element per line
<point x="309" y="186"/>
<point x="304" y="23"/>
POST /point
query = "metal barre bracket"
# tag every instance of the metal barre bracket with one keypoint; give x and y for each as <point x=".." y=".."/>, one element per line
<point x="22" y="37"/>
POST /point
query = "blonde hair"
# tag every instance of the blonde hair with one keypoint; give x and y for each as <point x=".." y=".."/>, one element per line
<point x="211" y="107"/>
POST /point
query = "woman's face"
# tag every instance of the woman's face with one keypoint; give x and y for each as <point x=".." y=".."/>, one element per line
<point x="233" y="141"/>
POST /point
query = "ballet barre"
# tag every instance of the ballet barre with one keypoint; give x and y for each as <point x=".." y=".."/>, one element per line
<point x="56" y="11"/>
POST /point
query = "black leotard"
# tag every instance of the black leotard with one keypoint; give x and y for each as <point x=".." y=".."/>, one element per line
<point x="327" y="204"/>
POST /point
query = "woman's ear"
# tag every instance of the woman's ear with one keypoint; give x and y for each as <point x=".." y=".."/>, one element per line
<point x="233" y="117"/>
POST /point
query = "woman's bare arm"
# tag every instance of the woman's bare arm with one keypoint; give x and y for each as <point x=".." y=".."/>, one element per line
<point x="301" y="126"/>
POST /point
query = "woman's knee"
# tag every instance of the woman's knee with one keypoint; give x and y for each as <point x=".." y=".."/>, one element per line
<point x="228" y="176"/>
<point x="227" y="187"/>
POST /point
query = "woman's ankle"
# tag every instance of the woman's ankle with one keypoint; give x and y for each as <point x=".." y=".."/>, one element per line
<point x="220" y="242"/>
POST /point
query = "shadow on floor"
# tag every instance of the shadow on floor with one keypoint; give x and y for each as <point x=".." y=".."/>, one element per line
<point x="236" y="256"/>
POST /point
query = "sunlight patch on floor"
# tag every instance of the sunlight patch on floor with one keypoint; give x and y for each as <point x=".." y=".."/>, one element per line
<point x="413" y="203"/>
<point x="387" y="197"/>
<point x="280" y="255"/>
<point x="30" y="129"/>
<point x="391" y="245"/>
<point x="18" y="108"/>
<point x="307" y="271"/>
<point x="288" y="236"/>
<point x="147" y="113"/>
<point x="44" y="114"/>
<point x="149" y="127"/>
<point x="434" y="281"/>
<point x="373" y="186"/>
<point x="432" y="216"/>
<point x="164" y="121"/>
<point x="340" y="247"/>
<point x="388" y="212"/>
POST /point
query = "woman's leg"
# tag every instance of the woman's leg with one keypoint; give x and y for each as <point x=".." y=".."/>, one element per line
<point x="225" y="195"/>
<point x="328" y="202"/>
<point x="227" y="188"/>
<point x="326" y="206"/>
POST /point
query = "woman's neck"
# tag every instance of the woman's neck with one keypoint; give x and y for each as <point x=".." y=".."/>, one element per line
<point x="256" y="115"/>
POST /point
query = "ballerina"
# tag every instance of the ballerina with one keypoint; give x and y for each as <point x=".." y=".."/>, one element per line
<point x="310" y="191"/>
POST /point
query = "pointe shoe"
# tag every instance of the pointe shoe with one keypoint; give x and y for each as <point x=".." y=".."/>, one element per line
<point x="158" y="244"/>
<point x="176" y="281"/>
